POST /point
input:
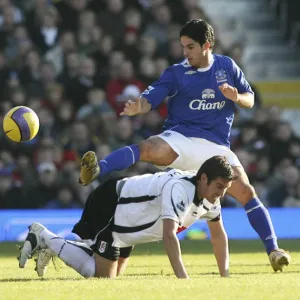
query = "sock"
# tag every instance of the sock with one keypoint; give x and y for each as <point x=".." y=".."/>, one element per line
<point x="76" y="255"/>
<point x="261" y="222"/>
<point x="119" y="159"/>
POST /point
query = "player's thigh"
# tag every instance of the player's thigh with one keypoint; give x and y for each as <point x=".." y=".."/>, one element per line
<point x="241" y="189"/>
<point x="157" y="151"/>
<point x="106" y="255"/>
<point x="171" y="148"/>
<point x="98" y="211"/>
<point x="105" y="268"/>
<point x="193" y="152"/>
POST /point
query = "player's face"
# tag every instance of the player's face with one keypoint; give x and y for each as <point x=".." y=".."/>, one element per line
<point x="193" y="51"/>
<point x="214" y="190"/>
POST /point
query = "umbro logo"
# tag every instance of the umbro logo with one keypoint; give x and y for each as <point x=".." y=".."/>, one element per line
<point x="191" y="72"/>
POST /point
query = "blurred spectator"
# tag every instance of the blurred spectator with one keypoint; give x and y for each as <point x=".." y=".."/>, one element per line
<point x="34" y="13"/>
<point x="124" y="134"/>
<point x="46" y="77"/>
<point x="112" y="18"/>
<point x="293" y="200"/>
<point x="286" y="188"/>
<point x="281" y="141"/>
<point x="46" y="188"/>
<point x="98" y="114"/>
<point x="65" y="198"/>
<point x="80" y="140"/>
<point x="57" y="54"/>
<point x="87" y="79"/>
<point x="147" y="46"/>
<point x="11" y="195"/>
<point x="158" y="28"/>
<point x="70" y="68"/>
<point x="30" y="71"/>
<point x="18" y="45"/>
<point x="47" y="33"/>
<point x="70" y="10"/>
<point x="116" y="86"/>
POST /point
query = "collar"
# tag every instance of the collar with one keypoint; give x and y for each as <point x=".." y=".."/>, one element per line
<point x="208" y="67"/>
<point x="186" y="62"/>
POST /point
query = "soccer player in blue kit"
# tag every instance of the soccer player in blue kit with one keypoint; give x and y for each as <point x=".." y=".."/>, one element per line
<point x="202" y="93"/>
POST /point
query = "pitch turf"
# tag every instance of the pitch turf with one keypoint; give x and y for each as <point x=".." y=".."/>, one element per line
<point x="149" y="276"/>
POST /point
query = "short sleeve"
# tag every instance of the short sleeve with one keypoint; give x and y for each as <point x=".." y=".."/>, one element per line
<point x="175" y="202"/>
<point x="240" y="81"/>
<point x="214" y="213"/>
<point x="160" y="89"/>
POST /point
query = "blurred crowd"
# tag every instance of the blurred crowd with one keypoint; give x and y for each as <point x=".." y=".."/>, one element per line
<point x="76" y="62"/>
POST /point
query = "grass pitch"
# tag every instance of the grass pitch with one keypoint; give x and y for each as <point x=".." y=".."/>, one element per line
<point x="149" y="276"/>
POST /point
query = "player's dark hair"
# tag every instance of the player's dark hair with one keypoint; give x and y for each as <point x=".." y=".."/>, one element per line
<point x="200" y="31"/>
<point x="217" y="166"/>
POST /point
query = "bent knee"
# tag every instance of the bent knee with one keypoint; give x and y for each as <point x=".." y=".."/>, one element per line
<point x="248" y="192"/>
<point x="243" y="192"/>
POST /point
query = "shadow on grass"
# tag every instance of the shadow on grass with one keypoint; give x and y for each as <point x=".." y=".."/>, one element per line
<point x="204" y="247"/>
<point x="213" y="273"/>
<point x="40" y="279"/>
<point x="188" y="247"/>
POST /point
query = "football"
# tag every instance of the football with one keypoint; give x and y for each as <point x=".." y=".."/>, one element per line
<point x="21" y="124"/>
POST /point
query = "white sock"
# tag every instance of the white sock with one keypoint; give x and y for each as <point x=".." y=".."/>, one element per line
<point x="76" y="255"/>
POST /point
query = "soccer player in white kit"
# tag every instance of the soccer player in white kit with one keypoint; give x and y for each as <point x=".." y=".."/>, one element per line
<point x="125" y="212"/>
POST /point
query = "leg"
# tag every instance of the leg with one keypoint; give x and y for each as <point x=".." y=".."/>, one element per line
<point x="76" y="255"/>
<point x="258" y="216"/>
<point x="157" y="151"/>
<point x="105" y="268"/>
<point x="123" y="259"/>
<point x="122" y="264"/>
<point x="154" y="150"/>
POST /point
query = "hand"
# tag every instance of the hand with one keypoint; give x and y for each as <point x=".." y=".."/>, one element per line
<point x="132" y="108"/>
<point x="229" y="92"/>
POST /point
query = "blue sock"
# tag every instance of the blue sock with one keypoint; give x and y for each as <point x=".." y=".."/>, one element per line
<point x="119" y="159"/>
<point x="260" y="221"/>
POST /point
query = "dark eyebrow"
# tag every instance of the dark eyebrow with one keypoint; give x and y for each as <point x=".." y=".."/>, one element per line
<point x="191" y="44"/>
<point x="220" y="184"/>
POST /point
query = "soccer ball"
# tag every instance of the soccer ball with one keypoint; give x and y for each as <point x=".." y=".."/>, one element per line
<point x="21" y="124"/>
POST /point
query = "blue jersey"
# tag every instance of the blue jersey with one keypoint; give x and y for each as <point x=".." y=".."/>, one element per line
<point x="196" y="106"/>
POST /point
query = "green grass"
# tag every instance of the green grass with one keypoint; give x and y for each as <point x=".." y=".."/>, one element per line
<point x="149" y="276"/>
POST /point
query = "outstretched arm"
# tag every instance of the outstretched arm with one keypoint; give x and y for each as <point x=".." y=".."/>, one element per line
<point x="219" y="242"/>
<point x="173" y="248"/>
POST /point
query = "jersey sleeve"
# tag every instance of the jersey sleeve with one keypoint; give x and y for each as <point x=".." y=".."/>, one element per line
<point x="240" y="81"/>
<point x="160" y="89"/>
<point x="214" y="214"/>
<point x="175" y="202"/>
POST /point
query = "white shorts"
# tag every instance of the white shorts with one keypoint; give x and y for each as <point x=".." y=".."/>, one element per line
<point x="193" y="152"/>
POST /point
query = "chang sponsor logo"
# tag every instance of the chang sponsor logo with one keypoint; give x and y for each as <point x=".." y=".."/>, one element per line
<point x="204" y="105"/>
<point x="208" y="94"/>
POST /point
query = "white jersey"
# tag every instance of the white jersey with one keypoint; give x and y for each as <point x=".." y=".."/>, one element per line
<point x="144" y="201"/>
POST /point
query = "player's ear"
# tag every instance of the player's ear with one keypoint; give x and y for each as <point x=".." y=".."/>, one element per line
<point x="206" y="46"/>
<point x="203" y="178"/>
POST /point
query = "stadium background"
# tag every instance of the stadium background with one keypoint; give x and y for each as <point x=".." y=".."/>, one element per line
<point x="75" y="62"/>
